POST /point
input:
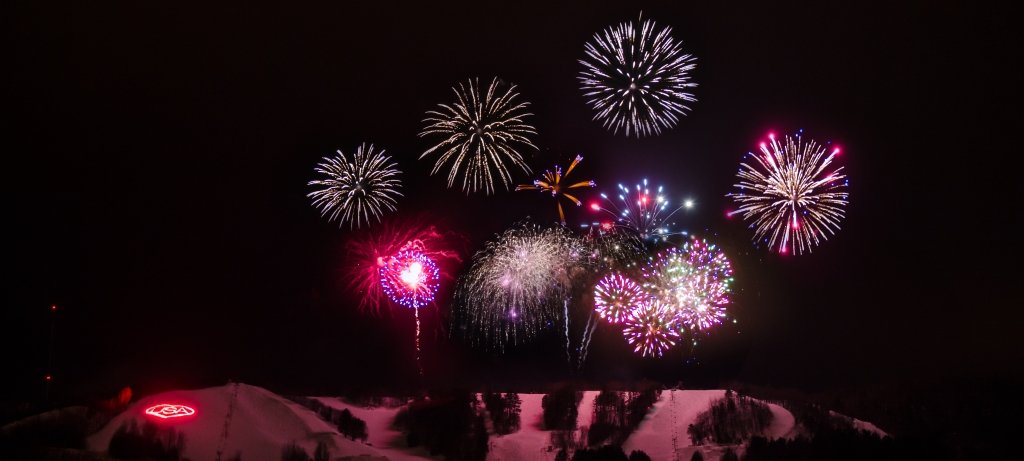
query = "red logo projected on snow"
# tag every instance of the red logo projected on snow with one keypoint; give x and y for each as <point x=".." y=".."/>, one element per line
<point x="167" y="410"/>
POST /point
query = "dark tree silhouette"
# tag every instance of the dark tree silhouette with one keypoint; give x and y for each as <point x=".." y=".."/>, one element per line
<point x="293" y="452"/>
<point x="322" y="453"/>
<point x="560" y="408"/>
<point x="504" y="410"/>
<point x="639" y="455"/>
<point x="447" y="424"/>
<point x="149" y="441"/>
<point x="730" y="420"/>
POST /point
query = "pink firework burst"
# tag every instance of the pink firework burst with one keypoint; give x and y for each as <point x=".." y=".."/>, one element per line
<point x="379" y="258"/>
<point x="705" y="303"/>
<point x="616" y="296"/>
<point x="694" y="281"/>
<point x="402" y="263"/>
<point x="409" y="277"/>
<point x="706" y="290"/>
<point x="649" y="328"/>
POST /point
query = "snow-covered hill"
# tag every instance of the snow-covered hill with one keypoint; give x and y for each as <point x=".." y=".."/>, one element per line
<point x="260" y="424"/>
<point x="257" y="423"/>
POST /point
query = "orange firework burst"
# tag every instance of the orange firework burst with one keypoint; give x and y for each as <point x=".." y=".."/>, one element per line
<point x="552" y="182"/>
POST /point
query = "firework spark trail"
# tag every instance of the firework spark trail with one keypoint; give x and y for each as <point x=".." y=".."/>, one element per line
<point x="791" y="196"/>
<point x="588" y="334"/>
<point x="607" y="251"/>
<point x="565" y="316"/>
<point x="515" y="283"/>
<point x="410" y="278"/>
<point x="400" y="262"/>
<point x="482" y="133"/>
<point x="552" y="183"/>
<point x="637" y="79"/>
<point x="640" y="211"/>
<point x="419" y="352"/>
<point x="356" y="188"/>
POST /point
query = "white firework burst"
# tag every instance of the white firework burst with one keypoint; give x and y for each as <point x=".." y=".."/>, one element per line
<point x="637" y="78"/>
<point x="356" y="188"/>
<point x="515" y="284"/>
<point x="482" y="135"/>
<point x="792" y="194"/>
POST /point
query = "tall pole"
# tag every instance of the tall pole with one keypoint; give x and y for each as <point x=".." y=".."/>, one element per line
<point x="49" y="355"/>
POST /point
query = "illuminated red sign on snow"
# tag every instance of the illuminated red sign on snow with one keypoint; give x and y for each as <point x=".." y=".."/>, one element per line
<point x="167" y="410"/>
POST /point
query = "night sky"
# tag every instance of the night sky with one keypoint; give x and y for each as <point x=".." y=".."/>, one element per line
<point x="158" y="157"/>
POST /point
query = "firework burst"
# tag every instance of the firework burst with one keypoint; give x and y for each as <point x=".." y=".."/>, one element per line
<point x="399" y="262"/>
<point x="617" y="296"/>
<point x="552" y="182"/>
<point x="650" y="330"/>
<point x="611" y="249"/>
<point x="377" y="260"/>
<point x="637" y="78"/>
<point x="694" y="281"/>
<point x="517" y="283"/>
<point x="640" y="211"/>
<point x="409" y="277"/>
<point x="791" y="194"/>
<point x="481" y="135"/>
<point x="354" y="189"/>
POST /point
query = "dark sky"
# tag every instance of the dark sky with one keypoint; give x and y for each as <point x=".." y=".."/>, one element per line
<point x="158" y="157"/>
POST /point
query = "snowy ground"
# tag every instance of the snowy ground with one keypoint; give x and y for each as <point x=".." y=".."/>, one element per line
<point x="261" y="423"/>
<point x="378" y="426"/>
<point x="531" y="441"/>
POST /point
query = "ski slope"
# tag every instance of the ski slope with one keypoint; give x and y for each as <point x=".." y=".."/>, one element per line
<point x="252" y="421"/>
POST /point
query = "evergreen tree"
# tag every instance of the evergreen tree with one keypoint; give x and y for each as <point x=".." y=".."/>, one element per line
<point x="560" y="408"/>
<point x="293" y="452"/>
<point x="322" y="453"/>
<point x="639" y="455"/>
